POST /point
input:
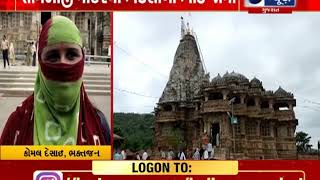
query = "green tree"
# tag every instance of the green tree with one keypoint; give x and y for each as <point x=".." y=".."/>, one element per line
<point x="136" y="129"/>
<point x="302" y="141"/>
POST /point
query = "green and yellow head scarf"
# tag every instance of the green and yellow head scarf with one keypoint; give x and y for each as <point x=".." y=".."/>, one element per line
<point x="57" y="88"/>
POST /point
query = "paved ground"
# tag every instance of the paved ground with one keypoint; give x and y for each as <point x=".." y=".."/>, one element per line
<point x="19" y="81"/>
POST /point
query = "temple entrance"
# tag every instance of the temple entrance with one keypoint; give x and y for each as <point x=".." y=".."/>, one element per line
<point x="215" y="130"/>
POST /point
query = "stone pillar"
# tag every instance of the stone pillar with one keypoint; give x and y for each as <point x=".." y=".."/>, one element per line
<point x="73" y="17"/>
<point x="288" y="134"/>
<point x="85" y="23"/>
<point x="95" y="18"/>
<point x="204" y="127"/>
<point x="270" y="104"/>
<point x="272" y="129"/>
<point x="225" y="131"/>
<point x="290" y="106"/>
<point x="242" y="125"/>
<point x="291" y="130"/>
<point x="225" y="94"/>
<point x="242" y="97"/>
<point x="206" y="96"/>
<point x="21" y="20"/>
<point x="258" y="127"/>
<point x="208" y="128"/>
<point x="257" y="102"/>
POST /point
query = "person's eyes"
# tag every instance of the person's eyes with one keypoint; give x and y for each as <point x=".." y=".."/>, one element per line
<point x="52" y="58"/>
<point x="72" y="55"/>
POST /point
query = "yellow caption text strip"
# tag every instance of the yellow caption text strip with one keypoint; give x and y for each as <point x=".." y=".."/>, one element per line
<point x="165" y="167"/>
<point x="55" y="152"/>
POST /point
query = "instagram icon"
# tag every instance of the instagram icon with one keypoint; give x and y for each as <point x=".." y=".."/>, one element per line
<point x="47" y="175"/>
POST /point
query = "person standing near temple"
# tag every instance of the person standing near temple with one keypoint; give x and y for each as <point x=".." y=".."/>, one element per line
<point x="201" y="152"/>
<point x="163" y="154"/>
<point x="145" y="155"/>
<point x="181" y="155"/>
<point x="29" y="54"/>
<point x="12" y="55"/>
<point x="212" y="153"/>
<point x="205" y="155"/>
<point x="33" y="51"/>
<point x="217" y="139"/>
<point x="117" y="155"/>
<point x="170" y="155"/>
<point x="5" y="48"/>
<point x="209" y="149"/>
<point x="196" y="155"/>
<point x="124" y="154"/>
<point x="137" y="156"/>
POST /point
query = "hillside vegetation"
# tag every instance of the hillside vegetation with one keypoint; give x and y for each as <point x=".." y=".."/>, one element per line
<point x="136" y="129"/>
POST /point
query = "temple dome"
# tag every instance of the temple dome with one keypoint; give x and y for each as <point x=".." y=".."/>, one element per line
<point x="283" y="93"/>
<point x="255" y="82"/>
<point x="233" y="76"/>
<point x="216" y="79"/>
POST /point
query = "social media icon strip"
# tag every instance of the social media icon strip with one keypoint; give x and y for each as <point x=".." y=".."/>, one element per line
<point x="270" y="3"/>
<point x="47" y="175"/>
<point x="254" y="3"/>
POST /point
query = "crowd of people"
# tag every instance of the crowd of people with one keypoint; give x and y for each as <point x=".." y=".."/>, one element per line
<point x="206" y="152"/>
<point x="9" y="56"/>
<point x="128" y="155"/>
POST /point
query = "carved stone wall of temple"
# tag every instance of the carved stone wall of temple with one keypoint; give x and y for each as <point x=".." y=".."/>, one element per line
<point x="23" y="27"/>
<point x="186" y="73"/>
<point x="192" y="107"/>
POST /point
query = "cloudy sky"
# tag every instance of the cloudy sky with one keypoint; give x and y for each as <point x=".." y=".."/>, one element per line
<point x="280" y="50"/>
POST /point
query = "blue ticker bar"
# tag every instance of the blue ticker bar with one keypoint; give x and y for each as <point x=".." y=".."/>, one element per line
<point x="281" y="3"/>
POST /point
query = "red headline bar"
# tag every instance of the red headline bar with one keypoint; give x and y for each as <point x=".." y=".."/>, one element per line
<point x="7" y="5"/>
<point x="127" y="5"/>
<point x="150" y="5"/>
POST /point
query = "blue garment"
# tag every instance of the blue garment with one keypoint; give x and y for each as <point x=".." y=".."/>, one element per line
<point x="117" y="156"/>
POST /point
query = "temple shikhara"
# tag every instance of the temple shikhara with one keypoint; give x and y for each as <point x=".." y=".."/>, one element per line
<point x="235" y="114"/>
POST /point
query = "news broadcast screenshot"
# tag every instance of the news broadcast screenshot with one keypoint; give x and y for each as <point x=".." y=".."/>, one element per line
<point x="159" y="89"/>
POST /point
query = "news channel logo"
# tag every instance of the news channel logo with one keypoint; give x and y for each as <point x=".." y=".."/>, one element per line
<point x="47" y="175"/>
<point x="270" y="3"/>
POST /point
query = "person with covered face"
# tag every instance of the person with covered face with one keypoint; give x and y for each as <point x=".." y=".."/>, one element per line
<point x="59" y="111"/>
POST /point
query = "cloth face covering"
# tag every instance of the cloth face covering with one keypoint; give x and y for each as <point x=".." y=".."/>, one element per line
<point x="57" y="88"/>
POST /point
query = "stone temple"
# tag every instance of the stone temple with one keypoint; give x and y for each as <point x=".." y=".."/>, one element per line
<point x="238" y="116"/>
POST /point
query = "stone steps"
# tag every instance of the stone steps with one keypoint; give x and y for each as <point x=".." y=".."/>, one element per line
<point x="33" y="72"/>
<point x="33" y="75"/>
<point x="32" y="80"/>
<point x="31" y="85"/>
<point x="21" y="83"/>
